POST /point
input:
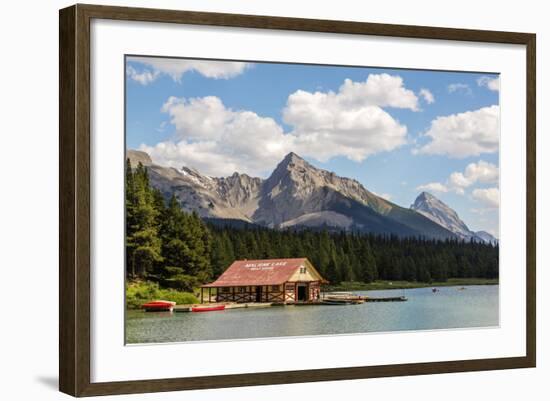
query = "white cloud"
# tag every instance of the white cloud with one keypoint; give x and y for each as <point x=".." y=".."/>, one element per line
<point x="144" y="77"/>
<point x="382" y="90"/>
<point x="482" y="172"/>
<point x="324" y="129"/>
<point x="458" y="182"/>
<point x="459" y="88"/>
<point x="198" y="118"/>
<point x="490" y="83"/>
<point x="489" y="196"/>
<point x="217" y="140"/>
<point x="427" y="95"/>
<point x="351" y="123"/>
<point x="483" y="212"/>
<point x="175" y="68"/>
<point x="464" y="134"/>
<point x="433" y="187"/>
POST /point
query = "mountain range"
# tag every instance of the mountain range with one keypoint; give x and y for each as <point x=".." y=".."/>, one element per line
<point x="299" y="195"/>
<point x="437" y="211"/>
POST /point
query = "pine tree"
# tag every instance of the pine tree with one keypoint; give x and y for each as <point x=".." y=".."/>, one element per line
<point x="142" y="242"/>
<point x="178" y="249"/>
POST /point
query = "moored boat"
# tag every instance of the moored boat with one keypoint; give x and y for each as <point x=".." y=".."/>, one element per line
<point x="159" y="306"/>
<point x="259" y="305"/>
<point x="207" y="308"/>
<point x="342" y="298"/>
<point x="401" y="298"/>
<point x="335" y="302"/>
<point x="342" y="301"/>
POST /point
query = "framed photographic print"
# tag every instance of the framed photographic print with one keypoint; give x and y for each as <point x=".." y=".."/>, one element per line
<point x="279" y="200"/>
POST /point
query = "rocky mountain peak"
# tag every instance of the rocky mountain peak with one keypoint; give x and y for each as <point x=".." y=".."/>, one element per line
<point x="296" y="194"/>
<point x="191" y="171"/>
<point x="292" y="158"/>
<point x="137" y="156"/>
<point x="296" y="175"/>
<point x="241" y="180"/>
<point x="425" y="196"/>
<point x="437" y="211"/>
<point x="289" y="163"/>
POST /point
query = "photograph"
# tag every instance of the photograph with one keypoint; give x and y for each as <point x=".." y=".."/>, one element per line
<point x="275" y="199"/>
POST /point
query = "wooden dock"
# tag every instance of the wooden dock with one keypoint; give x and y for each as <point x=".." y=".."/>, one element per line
<point x="346" y="298"/>
<point x="339" y="299"/>
<point x="385" y="299"/>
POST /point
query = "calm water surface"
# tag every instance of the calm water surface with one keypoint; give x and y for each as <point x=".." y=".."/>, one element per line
<point x="476" y="306"/>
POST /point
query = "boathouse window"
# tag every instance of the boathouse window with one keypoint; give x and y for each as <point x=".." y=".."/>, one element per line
<point x="225" y="289"/>
<point x="242" y="289"/>
<point x="275" y="288"/>
<point x="302" y="270"/>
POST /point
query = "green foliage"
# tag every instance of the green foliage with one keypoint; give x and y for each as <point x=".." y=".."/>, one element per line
<point x="143" y="246"/>
<point x="185" y="243"/>
<point x="350" y="257"/>
<point x="140" y="292"/>
<point x="395" y="285"/>
<point x="163" y="243"/>
<point x="169" y="248"/>
<point x="179" y="297"/>
<point x="176" y="279"/>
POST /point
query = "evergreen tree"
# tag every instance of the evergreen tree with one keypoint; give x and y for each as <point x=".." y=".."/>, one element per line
<point x="178" y="249"/>
<point x="142" y="242"/>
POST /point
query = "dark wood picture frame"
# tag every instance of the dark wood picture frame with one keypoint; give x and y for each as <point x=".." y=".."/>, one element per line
<point x="74" y="199"/>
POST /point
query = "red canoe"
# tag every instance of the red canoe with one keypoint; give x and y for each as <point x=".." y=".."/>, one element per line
<point x="159" y="306"/>
<point x="207" y="308"/>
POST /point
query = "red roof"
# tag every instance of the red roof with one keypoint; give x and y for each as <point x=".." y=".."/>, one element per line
<point x="258" y="272"/>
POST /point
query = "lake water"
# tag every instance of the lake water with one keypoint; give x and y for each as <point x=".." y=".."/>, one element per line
<point x="475" y="306"/>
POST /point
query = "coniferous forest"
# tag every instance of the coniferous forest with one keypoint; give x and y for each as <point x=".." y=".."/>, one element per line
<point x="179" y="250"/>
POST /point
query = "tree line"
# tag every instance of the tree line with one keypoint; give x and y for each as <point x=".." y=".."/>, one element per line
<point x="163" y="243"/>
<point x="349" y="256"/>
<point x="179" y="250"/>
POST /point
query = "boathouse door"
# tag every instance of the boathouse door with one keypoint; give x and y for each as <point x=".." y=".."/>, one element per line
<point x="258" y="293"/>
<point x="302" y="292"/>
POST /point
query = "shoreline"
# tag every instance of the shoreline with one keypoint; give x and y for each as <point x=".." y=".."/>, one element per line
<point x="401" y="285"/>
<point x="388" y="285"/>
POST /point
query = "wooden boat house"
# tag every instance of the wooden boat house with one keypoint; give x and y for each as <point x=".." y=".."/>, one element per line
<point x="269" y="280"/>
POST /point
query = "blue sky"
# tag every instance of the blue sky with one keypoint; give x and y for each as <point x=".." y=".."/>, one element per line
<point x="396" y="131"/>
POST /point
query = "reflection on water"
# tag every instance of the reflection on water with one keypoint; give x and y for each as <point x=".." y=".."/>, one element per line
<point x="475" y="306"/>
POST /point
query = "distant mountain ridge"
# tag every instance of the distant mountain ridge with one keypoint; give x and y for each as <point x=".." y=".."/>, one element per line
<point x="485" y="236"/>
<point x="296" y="194"/>
<point x="434" y="209"/>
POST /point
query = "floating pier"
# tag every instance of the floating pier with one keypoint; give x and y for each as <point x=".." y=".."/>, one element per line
<point x="346" y="298"/>
<point x="327" y="299"/>
<point x="385" y="299"/>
